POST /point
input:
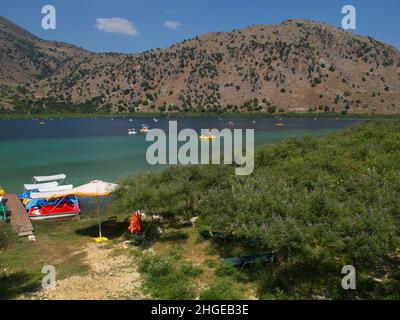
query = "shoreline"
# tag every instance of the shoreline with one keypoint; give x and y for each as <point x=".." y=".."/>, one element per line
<point x="200" y="115"/>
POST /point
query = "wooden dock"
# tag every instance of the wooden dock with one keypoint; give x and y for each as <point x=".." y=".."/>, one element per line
<point x="19" y="218"/>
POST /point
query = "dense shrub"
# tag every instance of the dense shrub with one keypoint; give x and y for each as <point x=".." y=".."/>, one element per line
<point x="222" y="289"/>
<point x="168" y="277"/>
<point x="155" y="265"/>
<point x="319" y="203"/>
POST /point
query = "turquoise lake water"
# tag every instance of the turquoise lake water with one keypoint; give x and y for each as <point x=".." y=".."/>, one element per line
<point x="88" y="149"/>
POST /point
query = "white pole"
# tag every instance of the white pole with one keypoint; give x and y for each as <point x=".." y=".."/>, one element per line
<point x="98" y="215"/>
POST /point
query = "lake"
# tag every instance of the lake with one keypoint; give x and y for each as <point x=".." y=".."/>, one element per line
<point x="88" y="149"/>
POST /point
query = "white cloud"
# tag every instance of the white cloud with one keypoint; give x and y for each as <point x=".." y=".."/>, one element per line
<point x="172" y="24"/>
<point x="116" y="25"/>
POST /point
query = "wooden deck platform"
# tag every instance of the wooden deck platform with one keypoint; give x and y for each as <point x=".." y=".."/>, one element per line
<point x="19" y="218"/>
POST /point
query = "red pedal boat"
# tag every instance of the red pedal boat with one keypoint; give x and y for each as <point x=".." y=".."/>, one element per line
<point x="61" y="210"/>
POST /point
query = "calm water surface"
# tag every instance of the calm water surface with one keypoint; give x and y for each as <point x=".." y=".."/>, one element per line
<point x="88" y="149"/>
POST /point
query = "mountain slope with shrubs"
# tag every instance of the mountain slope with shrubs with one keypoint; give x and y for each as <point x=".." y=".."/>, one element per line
<point x="294" y="66"/>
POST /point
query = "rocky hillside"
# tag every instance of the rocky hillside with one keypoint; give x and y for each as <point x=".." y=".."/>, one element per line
<point x="298" y="65"/>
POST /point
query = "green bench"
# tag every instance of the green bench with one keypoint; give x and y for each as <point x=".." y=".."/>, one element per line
<point x="267" y="257"/>
<point x="3" y="210"/>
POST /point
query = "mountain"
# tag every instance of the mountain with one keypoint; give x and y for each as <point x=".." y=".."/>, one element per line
<point x="298" y="65"/>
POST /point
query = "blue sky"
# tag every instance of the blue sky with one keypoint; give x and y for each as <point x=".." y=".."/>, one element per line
<point x="161" y="23"/>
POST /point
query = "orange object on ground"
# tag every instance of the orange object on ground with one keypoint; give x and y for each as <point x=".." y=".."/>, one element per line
<point x="135" y="224"/>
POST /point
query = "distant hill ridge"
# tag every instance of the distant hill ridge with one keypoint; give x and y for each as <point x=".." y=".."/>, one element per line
<point x="297" y="65"/>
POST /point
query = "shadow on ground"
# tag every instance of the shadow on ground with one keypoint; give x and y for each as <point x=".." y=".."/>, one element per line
<point x="109" y="230"/>
<point x="15" y="284"/>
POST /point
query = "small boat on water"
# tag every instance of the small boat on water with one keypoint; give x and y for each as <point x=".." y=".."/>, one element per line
<point x="132" y="131"/>
<point x="155" y="120"/>
<point x="280" y="124"/>
<point x="208" y="137"/>
<point x="231" y="124"/>
<point x="130" y="120"/>
<point x="145" y="129"/>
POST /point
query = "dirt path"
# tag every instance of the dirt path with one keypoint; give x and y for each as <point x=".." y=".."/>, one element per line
<point x="111" y="276"/>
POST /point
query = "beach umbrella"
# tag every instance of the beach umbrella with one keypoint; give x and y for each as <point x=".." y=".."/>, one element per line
<point x="96" y="188"/>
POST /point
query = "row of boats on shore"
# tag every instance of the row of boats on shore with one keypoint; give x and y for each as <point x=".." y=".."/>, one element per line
<point x="48" y="198"/>
<point x="40" y="203"/>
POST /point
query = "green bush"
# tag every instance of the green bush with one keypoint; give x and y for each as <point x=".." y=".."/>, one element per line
<point x="317" y="202"/>
<point x="154" y="265"/>
<point x="224" y="270"/>
<point x="167" y="278"/>
<point x="235" y="274"/>
<point x="222" y="289"/>
<point x="190" y="270"/>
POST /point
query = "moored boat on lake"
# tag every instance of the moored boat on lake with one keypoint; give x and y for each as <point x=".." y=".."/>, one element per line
<point x="208" y="136"/>
<point x="145" y="129"/>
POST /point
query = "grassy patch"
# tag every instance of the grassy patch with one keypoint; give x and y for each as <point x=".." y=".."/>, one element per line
<point x="195" y="265"/>
<point x="58" y="244"/>
<point x="223" y="289"/>
<point x="166" y="278"/>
